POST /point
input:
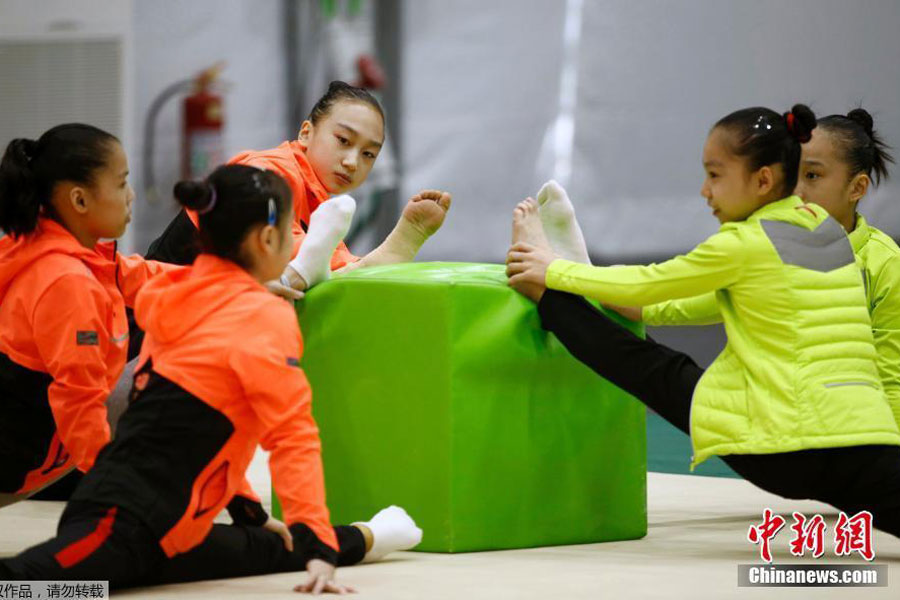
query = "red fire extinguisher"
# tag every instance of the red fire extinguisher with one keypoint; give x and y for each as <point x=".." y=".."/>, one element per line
<point x="203" y="146"/>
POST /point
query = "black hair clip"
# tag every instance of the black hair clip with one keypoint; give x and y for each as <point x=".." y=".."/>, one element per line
<point x="212" y="200"/>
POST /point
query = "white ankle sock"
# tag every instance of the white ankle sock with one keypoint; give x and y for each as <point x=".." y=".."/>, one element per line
<point x="392" y="529"/>
<point x="328" y="225"/>
<point x="560" y="224"/>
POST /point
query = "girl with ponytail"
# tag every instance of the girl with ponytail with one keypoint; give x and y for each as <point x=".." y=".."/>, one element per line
<point x="63" y="293"/>
<point x="844" y="158"/>
<point x="335" y="150"/>
<point x="794" y="403"/>
<point x="218" y="375"/>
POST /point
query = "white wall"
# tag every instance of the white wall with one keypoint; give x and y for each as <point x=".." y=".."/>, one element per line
<point x="479" y="91"/>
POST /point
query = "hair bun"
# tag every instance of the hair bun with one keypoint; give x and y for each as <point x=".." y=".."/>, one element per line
<point x="195" y="195"/>
<point x="23" y="150"/>
<point x="862" y="117"/>
<point x="801" y="120"/>
<point x="338" y="85"/>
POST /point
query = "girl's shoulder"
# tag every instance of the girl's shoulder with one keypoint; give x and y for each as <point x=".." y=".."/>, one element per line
<point x="50" y="268"/>
<point x="269" y="329"/>
<point x="270" y="315"/>
<point x="881" y="256"/>
<point x="883" y="242"/>
<point x="54" y="278"/>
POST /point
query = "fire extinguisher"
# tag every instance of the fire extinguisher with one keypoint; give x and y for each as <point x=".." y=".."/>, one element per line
<point x="202" y="144"/>
<point x="202" y="147"/>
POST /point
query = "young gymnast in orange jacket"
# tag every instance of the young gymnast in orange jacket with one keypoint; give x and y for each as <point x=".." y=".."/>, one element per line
<point x="63" y="331"/>
<point x="333" y="154"/>
<point x="218" y="375"/>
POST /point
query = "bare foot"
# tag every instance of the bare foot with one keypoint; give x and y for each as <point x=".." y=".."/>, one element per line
<point x="527" y="226"/>
<point x="426" y="211"/>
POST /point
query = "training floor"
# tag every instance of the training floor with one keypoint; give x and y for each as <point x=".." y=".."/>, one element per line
<point x="696" y="539"/>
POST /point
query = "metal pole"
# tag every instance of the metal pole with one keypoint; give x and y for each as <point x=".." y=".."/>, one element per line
<point x="290" y="18"/>
<point x="388" y="46"/>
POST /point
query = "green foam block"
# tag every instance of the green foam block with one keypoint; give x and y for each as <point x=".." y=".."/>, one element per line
<point x="436" y="389"/>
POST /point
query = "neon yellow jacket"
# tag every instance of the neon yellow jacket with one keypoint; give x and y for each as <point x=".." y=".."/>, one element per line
<point x="798" y="371"/>
<point x="881" y="260"/>
<point x="880" y="257"/>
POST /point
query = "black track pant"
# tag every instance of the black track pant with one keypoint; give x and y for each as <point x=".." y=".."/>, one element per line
<point x="98" y="543"/>
<point x="852" y="479"/>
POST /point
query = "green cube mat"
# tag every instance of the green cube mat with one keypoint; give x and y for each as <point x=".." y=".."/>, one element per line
<point x="435" y="388"/>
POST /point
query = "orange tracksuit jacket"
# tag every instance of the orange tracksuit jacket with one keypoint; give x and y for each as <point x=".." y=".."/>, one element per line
<point x="290" y="162"/>
<point x="63" y="340"/>
<point x="218" y="375"/>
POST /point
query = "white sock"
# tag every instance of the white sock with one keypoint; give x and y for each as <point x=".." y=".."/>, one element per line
<point x="328" y="225"/>
<point x="392" y="529"/>
<point x="560" y="224"/>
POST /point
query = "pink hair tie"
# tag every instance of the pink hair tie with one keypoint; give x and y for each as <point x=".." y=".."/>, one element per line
<point x="212" y="201"/>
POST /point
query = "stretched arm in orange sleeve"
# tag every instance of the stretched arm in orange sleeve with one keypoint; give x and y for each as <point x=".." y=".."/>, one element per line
<point x="135" y="271"/>
<point x="281" y="398"/>
<point x="73" y="344"/>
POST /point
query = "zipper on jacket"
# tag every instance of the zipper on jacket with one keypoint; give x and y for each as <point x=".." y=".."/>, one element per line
<point x="116" y="260"/>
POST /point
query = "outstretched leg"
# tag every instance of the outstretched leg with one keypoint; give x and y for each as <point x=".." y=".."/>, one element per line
<point x="240" y="551"/>
<point x="661" y="378"/>
<point x="327" y="227"/>
<point x="562" y="229"/>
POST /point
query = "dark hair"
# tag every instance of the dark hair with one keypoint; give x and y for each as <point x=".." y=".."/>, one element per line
<point x="31" y="169"/>
<point x="763" y="137"/>
<point x="232" y="200"/>
<point x="339" y="91"/>
<point x="863" y="150"/>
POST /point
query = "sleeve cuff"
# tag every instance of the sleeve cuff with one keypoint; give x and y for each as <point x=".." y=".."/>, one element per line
<point x="244" y="511"/>
<point x="315" y="548"/>
<point x="551" y="279"/>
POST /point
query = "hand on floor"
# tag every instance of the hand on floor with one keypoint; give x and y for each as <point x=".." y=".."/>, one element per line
<point x="427" y="209"/>
<point x="321" y="579"/>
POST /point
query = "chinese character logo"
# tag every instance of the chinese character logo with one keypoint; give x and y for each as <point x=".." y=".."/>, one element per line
<point x="851" y="534"/>
<point x="808" y="535"/>
<point x="854" y="534"/>
<point x="763" y="533"/>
